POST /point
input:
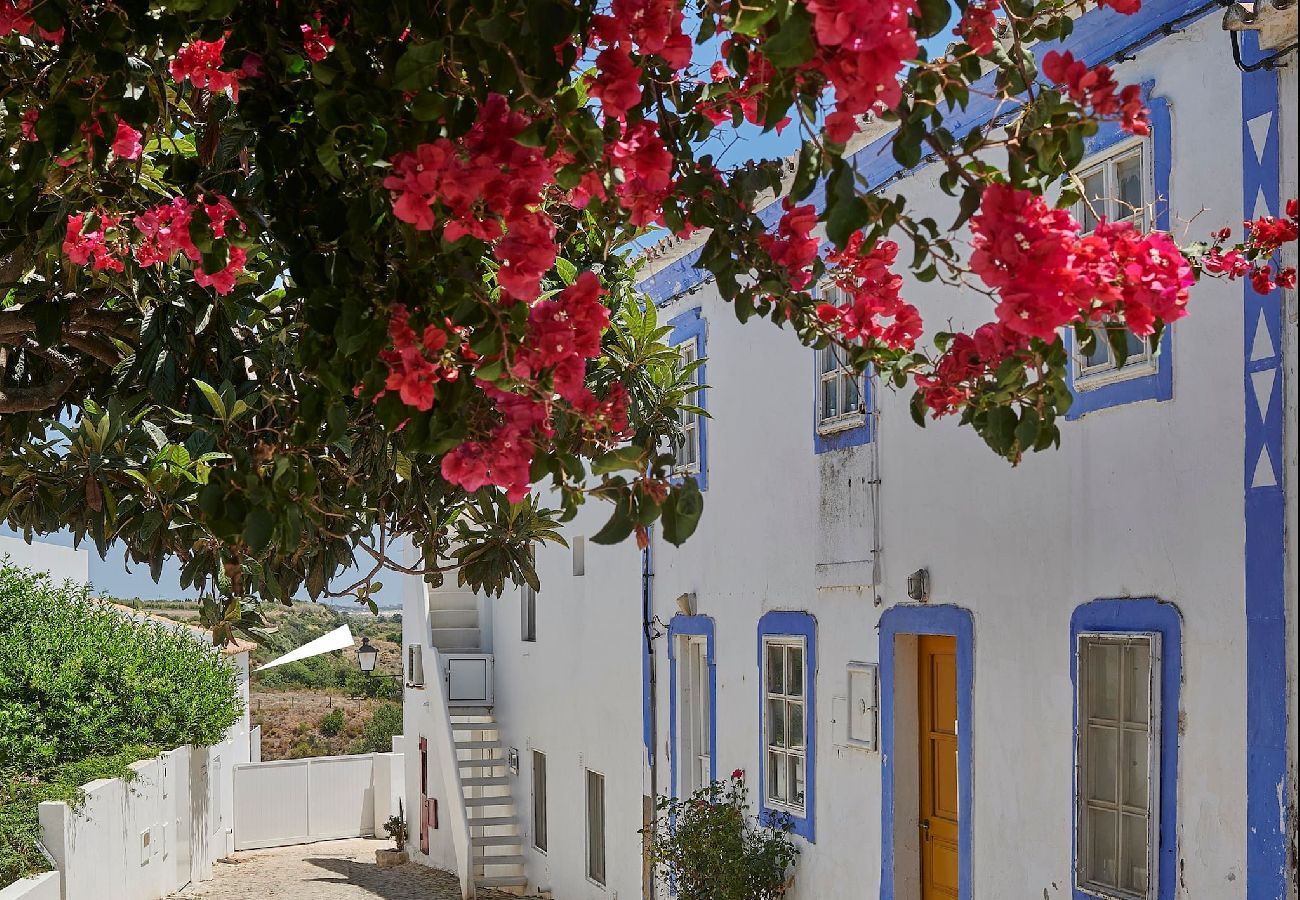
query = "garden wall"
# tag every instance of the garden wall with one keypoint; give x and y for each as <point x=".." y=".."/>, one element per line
<point x="146" y="837"/>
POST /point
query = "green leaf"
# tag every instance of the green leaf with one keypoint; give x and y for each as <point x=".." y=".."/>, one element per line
<point x="257" y="529"/>
<point x="418" y="66"/>
<point x="934" y="16"/>
<point x="213" y="398"/>
<point x="620" y="524"/>
<point x="630" y="457"/>
<point x="846" y="212"/>
<point x="792" y="45"/>
<point x="681" y="512"/>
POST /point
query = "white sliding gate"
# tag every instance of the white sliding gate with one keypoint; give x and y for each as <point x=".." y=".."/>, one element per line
<point x="297" y="801"/>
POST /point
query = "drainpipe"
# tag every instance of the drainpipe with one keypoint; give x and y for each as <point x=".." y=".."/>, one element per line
<point x="648" y="635"/>
<point x="874" y="482"/>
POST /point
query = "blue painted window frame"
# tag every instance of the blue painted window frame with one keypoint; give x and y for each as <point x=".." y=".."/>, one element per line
<point x="1157" y="385"/>
<point x="1129" y="616"/>
<point x="785" y="624"/>
<point x="679" y="626"/>
<point x="921" y="620"/>
<point x="688" y="326"/>
<point x="842" y="438"/>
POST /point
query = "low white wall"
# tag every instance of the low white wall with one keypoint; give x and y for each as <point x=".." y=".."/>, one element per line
<point x="143" y="838"/>
<point x="61" y="562"/>
<point x="297" y="801"/>
<point x="39" y="887"/>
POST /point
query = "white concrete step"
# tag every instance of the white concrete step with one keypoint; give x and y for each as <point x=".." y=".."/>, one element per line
<point x="485" y="781"/>
<point x="494" y="763"/>
<point x="497" y="840"/>
<point x="478" y="745"/>
<point x="493" y="821"/>
<point x="512" y="860"/>
<point x="474" y="726"/>
<point x="498" y="800"/>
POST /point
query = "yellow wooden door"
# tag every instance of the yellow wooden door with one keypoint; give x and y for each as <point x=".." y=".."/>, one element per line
<point x="939" y="814"/>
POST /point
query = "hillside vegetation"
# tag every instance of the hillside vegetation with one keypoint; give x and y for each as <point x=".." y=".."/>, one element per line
<point x="84" y="692"/>
<point x="323" y="705"/>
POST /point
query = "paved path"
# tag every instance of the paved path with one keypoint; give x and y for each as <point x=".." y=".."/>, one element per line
<point x="328" y="870"/>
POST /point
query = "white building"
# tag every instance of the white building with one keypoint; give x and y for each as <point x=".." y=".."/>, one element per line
<point x="969" y="743"/>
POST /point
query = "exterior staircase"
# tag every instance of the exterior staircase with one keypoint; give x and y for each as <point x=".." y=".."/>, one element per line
<point x="454" y="618"/>
<point x="498" y="845"/>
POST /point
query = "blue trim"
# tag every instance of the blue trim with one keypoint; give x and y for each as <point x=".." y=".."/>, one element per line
<point x="959" y="623"/>
<point x="691" y="325"/>
<point x="1158" y="385"/>
<point x="791" y="624"/>
<point x="1127" y="616"/>
<point x="1099" y="34"/>
<point x="678" y="626"/>
<point x="1268" y="789"/>
<point x="647" y="648"/>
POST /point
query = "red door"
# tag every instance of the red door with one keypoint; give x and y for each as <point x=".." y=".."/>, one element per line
<point x="425" y="824"/>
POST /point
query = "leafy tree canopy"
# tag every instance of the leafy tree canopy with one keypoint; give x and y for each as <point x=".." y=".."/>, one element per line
<point x="283" y="282"/>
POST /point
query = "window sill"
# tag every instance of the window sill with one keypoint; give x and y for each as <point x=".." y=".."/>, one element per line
<point x="1085" y="383"/>
<point x="1104" y="894"/>
<point x="843" y="423"/>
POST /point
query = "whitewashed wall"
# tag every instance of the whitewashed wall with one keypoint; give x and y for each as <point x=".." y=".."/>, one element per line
<point x="1141" y="500"/>
<point x="46" y="886"/>
<point x="63" y="563"/>
<point x="144" y="838"/>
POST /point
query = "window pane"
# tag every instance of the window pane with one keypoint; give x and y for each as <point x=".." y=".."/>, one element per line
<point x="796" y="734"/>
<point x="830" y="398"/>
<point x="1137" y="348"/>
<point x="794" y="674"/>
<point x="1137" y="683"/>
<point x="1099" y="355"/>
<point x="1133" y="854"/>
<point x="1101" y="830"/>
<point x="539" y="800"/>
<point x="776" y="723"/>
<point x="777" y="776"/>
<point x="596" y="827"/>
<point x="1133" y="763"/>
<point x="1094" y="190"/>
<point x="1103" y="751"/>
<point x="826" y="360"/>
<point x="1128" y="176"/>
<point x="796" y="781"/>
<point x="1102" y="672"/>
<point x="852" y="393"/>
<point x="775" y="669"/>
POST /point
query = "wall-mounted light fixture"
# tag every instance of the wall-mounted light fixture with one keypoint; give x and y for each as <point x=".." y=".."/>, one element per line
<point x="918" y="585"/>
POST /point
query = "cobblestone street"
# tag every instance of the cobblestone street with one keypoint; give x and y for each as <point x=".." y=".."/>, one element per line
<point x="328" y="870"/>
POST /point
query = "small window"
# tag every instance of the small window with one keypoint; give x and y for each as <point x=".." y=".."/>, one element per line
<point x="596" y="827"/>
<point x="841" y="401"/>
<point x="686" y="451"/>
<point x="579" y="555"/>
<point x="1118" y="764"/>
<point x="539" y="800"/>
<point x="1115" y="188"/>
<point x="528" y="614"/>
<point x="785" y="722"/>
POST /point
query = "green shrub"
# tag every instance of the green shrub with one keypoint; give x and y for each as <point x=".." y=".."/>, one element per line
<point x="710" y="848"/>
<point x="331" y="723"/>
<point x="377" y="735"/>
<point x="84" y="691"/>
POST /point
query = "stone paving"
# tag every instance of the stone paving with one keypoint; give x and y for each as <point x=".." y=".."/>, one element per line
<point x="328" y="870"/>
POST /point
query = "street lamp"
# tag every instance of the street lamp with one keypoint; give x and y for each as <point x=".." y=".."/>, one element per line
<point x="367" y="656"/>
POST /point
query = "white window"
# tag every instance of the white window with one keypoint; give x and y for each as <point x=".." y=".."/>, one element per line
<point x="694" y="724"/>
<point x="840" y="400"/>
<point x="686" y="452"/>
<point x="1118" y="764"/>
<point x="414" y="666"/>
<point x="1117" y="188"/>
<point x="596" y="826"/>
<point x="539" y="800"/>
<point x="785" y="705"/>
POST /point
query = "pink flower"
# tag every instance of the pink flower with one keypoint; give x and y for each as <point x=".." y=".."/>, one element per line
<point x="200" y="62"/>
<point x="316" y="40"/>
<point x="126" y="143"/>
